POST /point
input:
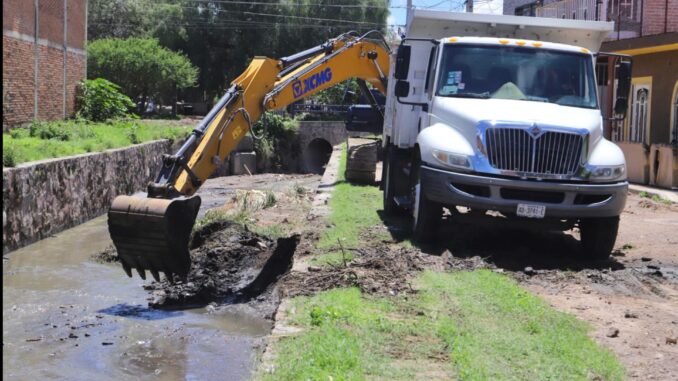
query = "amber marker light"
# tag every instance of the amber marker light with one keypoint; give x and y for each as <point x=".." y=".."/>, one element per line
<point x="537" y="44"/>
<point x="520" y="43"/>
<point x="503" y="42"/>
<point x="452" y="39"/>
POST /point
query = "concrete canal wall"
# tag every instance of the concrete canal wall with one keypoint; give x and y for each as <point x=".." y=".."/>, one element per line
<point x="44" y="197"/>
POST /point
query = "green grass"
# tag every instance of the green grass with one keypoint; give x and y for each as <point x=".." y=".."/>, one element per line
<point x="334" y="258"/>
<point x="44" y="140"/>
<point x="499" y="331"/>
<point x="477" y="325"/>
<point x="354" y="208"/>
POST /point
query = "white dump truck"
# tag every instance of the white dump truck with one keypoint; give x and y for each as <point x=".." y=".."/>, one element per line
<point x="502" y="113"/>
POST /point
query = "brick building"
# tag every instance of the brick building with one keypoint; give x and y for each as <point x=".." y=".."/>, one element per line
<point x="43" y="58"/>
<point x="647" y="30"/>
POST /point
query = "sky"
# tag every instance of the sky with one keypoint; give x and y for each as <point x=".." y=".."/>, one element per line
<point x="398" y="11"/>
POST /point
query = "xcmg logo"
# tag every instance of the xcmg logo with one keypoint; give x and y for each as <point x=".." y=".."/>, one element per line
<point x="300" y="88"/>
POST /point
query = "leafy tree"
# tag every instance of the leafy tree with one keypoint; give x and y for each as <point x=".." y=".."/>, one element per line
<point x="99" y="100"/>
<point x="221" y="38"/>
<point x="141" y="67"/>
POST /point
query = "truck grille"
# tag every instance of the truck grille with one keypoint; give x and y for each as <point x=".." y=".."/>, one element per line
<point x="549" y="153"/>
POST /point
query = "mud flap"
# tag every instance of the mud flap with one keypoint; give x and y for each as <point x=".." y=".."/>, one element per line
<point x="153" y="233"/>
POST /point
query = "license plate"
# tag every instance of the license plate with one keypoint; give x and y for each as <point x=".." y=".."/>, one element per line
<point x="531" y="211"/>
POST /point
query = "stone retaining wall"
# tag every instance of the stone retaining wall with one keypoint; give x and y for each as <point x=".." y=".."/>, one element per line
<point x="44" y="197"/>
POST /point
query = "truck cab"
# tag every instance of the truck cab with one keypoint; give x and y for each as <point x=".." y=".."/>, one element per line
<point x="502" y="113"/>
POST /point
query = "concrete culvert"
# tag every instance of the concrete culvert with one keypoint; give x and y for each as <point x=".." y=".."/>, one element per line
<point x="318" y="155"/>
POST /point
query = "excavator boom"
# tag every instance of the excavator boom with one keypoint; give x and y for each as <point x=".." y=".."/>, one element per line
<point x="152" y="232"/>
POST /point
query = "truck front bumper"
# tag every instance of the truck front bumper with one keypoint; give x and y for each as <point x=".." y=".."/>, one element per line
<point x="562" y="200"/>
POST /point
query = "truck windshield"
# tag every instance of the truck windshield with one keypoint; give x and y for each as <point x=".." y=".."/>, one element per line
<point x="503" y="72"/>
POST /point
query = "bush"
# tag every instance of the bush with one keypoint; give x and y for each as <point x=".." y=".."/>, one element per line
<point x="141" y="66"/>
<point x="99" y="100"/>
<point x="46" y="131"/>
<point x="10" y="156"/>
<point x="278" y="135"/>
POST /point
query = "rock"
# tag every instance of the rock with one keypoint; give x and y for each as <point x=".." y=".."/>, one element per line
<point x="672" y="340"/>
<point x="314" y="269"/>
<point x="72" y="336"/>
<point x="612" y="332"/>
<point x="529" y="271"/>
<point x="630" y="315"/>
<point x="645" y="259"/>
<point x="106" y="343"/>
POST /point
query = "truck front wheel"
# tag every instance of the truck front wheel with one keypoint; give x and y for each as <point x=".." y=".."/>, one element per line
<point x="598" y="236"/>
<point x="426" y="214"/>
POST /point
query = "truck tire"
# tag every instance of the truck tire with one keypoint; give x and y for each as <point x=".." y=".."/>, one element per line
<point x="388" y="178"/>
<point x="426" y="214"/>
<point x="598" y="236"/>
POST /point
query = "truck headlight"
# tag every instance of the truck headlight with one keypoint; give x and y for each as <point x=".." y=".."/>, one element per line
<point x="607" y="173"/>
<point x="454" y="160"/>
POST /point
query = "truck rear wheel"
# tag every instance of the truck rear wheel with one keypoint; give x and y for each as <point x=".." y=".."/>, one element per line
<point x="598" y="236"/>
<point x="426" y="214"/>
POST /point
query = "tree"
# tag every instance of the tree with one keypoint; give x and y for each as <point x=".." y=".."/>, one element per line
<point x="221" y="37"/>
<point x="141" y="67"/>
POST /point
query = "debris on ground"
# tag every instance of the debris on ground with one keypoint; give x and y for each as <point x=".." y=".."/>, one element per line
<point x="230" y="264"/>
<point x="376" y="269"/>
<point x="108" y="255"/>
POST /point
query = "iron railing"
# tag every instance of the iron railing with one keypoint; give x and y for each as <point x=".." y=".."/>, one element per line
<point x="627" y="14"/>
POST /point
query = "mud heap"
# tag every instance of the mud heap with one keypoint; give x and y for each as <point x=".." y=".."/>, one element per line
<point x="230" y="264"/>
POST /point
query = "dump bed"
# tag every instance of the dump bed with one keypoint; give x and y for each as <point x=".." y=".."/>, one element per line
<point x="437" y="24"/>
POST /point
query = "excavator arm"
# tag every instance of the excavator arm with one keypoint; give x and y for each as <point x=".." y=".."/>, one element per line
<point x="152" y="232"/>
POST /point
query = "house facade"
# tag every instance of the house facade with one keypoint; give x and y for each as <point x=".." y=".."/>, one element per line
<point x="647" y="30"/>
<point x="43" y="58"/>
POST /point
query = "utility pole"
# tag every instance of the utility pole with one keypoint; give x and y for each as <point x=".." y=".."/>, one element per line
<point x="409" y="11"/>
<point x="469" y="6"/>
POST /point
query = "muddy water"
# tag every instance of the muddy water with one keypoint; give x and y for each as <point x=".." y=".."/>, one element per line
<point x="66" y="317"/>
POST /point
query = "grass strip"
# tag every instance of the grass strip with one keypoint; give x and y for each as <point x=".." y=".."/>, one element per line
<point x="354" y="209"/>
<point x="476" y="325"/>
<point x="45" y="140"/>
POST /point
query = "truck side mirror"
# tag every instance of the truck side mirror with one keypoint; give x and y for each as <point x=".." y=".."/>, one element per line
<point x="402" y="89"/>
<point x="621" y="103"/>
<point x="402" y="64"/>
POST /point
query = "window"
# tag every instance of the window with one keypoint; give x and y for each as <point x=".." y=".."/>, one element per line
<point x="640" y="113"/>
<point x="527" y="10"/>
<point x="430" y="74"/>
<point x="523" y="74"/>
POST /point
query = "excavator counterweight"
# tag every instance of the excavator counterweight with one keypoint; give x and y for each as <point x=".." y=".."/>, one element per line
<point x="153" y="232"/>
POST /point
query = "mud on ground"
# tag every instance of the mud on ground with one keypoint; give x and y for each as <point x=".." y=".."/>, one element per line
<point x="230" y="265"/>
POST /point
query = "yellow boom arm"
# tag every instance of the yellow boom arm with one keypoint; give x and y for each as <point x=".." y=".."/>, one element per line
<point x="262" y="88"/>
<point x="152" y="233"/>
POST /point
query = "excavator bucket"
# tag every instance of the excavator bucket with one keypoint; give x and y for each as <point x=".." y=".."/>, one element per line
<point x="152" y="234"/>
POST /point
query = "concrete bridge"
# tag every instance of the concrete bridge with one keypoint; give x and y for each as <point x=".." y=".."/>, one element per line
<point x="316" y="139"/>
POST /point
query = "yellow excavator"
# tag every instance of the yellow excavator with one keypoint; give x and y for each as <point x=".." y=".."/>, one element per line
<point x="152" y="232"/>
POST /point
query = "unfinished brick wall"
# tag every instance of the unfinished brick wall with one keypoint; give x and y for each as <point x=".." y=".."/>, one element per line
<point x="17" y="81"/>
<point x="57" y="52"/>
<point x="660" y="16"/>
